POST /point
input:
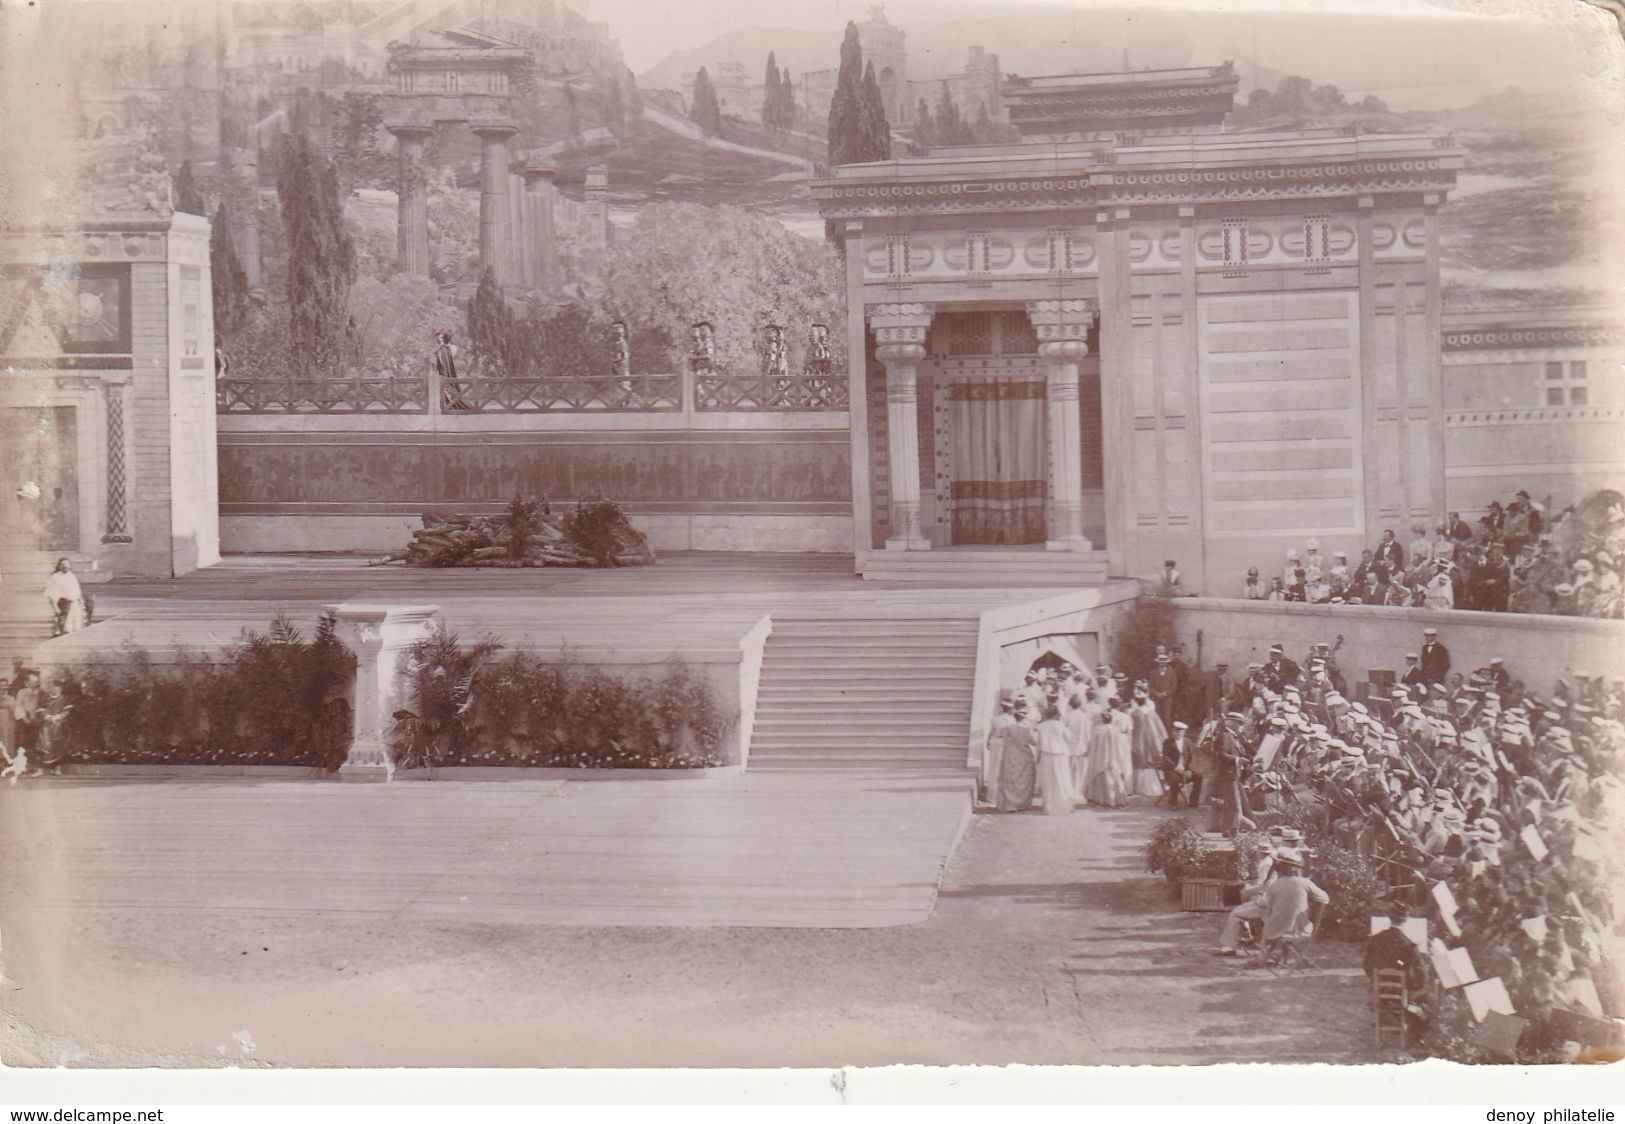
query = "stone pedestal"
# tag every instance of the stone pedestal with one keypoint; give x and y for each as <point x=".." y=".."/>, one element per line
<point x="378" y="635"/>
<point x="412" y="214"/>
<point x="495" y="232"/>
<point x="1064" y="526"/>
<point x="903" y="443"/>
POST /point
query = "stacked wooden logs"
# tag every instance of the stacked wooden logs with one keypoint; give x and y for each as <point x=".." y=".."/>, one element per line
<point x="485" y="540"/>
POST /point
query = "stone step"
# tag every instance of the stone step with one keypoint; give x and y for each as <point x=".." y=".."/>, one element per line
<point x="994" y="569"/>
<point x="821" y="660"/>
<point x="824" y="762"/>
<point x="857" y="736"/>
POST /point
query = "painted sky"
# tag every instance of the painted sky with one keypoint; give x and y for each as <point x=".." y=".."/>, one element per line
<point x="1414" y="53"/>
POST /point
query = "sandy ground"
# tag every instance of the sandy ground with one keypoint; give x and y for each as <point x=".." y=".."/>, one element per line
<point x="1048" y="945"/>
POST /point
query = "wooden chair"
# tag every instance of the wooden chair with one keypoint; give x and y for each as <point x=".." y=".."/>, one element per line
<point x="1390" y="999"/>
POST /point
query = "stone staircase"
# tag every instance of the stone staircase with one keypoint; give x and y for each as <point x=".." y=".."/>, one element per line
<point x="987" y="568"/>
<point x="854" y="692"/>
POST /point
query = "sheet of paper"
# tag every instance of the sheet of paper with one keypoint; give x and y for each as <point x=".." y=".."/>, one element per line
<point x="1267" y="749"/>
<point x="1416" y="928"/>
<point x="1488" y="995"/>
<point x="1535" y="927"/>
<point x="1446" y="902"/>
<point x="1442" y="967"/>
<point x="1534" y="843"/>
<point x="1499" y="1033"/>
<point x="1462" y="961"/>
<point x="1583" y="990"/>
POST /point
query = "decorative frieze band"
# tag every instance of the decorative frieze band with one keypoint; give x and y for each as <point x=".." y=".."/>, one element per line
<point x="1503" y="339"/>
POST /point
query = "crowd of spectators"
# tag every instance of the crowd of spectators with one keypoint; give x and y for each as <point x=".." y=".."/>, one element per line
<point x="1510" y="560"/>
<point x="1493" y="813"/>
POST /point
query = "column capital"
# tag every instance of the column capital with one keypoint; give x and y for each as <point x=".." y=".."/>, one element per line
<point x="493" y="130"/>
<point x="535" y="170"/>
<point x="905" y="323"/>
<point x="900" y="354"/>
<point x="1065" y="320"/>
<point x="1073" y="349"/>
<point x="394" y="626"/>
<point x="407" y="132"/>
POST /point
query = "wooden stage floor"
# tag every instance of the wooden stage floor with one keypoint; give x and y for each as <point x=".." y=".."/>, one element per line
<point x="695" y="603"/>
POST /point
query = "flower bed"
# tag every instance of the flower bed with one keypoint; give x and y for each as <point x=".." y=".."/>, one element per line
<point x="274" y="698"/>
<point x="280" y="699"/>
<point x="473" y="706"/>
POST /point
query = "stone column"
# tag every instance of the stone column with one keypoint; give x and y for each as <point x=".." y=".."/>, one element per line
<point x="903" y="443"/>
<point x="1062" y="326"/>
<point x="412" y="213"/>
<point x="540" y="252"/>
<point x="517" y="234"/>
<point x="495" y="233"/>
<point x="595" y="189"/>
<point x="900" y="331"/>
<point x="1065" y="513"/>
<point x="378" y="635"/>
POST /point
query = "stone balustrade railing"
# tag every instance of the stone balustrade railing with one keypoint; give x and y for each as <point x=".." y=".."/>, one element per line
<point x="704" y="390"/>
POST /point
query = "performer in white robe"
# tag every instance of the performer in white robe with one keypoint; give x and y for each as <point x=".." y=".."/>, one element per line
<point x="1102" y="786"/>
<point x="1148" y="734"/>
<point x="993" y="760"/>
<point x="1054" y="765"/>
<point x="1077" y="721"/>
<point x="66" y="599"/>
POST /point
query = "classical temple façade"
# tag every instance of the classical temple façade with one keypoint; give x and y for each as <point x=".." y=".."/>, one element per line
<point x="1134" y="336"/>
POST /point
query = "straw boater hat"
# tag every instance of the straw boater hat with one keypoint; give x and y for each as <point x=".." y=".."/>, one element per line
<point x="1485" y="830"/>
<point x="1288" y="856"/>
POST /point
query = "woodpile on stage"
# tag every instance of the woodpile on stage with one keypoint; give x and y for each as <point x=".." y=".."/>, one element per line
<point x="594" y="533"/>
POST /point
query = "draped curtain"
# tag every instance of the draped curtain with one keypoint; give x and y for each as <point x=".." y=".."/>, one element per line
<point x="998" y="460"/>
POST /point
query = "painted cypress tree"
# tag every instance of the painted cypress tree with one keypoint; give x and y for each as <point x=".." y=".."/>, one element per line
<point x="228" y="284"/>
<point x="846" y="140"/>
<point x="876" y="129"/>
<point x="770" y="95"/>
<point x="951" y="127"/>
<point x="490" y="325"/>
<point x="321" y="256"/>
<point x="188" y="199"/>
<point x="705" y="111"/>
<point x="787" y="97"/>
<point x="925" y="129"/>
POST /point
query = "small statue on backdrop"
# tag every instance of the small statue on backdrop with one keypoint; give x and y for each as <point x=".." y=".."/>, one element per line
<point x="776" y="359"/>
<point x="702" y="346"/>
<point x="620" y="358"/>
<point x="819" y="359"/>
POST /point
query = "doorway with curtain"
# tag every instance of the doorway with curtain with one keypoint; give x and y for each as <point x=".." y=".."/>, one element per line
<point x="997" y="430"/>
<point x="991" y="459"/>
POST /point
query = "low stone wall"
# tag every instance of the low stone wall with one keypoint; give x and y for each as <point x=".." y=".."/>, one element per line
<point x="748" y="482"/>
<point x="1537" y="649"/>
